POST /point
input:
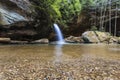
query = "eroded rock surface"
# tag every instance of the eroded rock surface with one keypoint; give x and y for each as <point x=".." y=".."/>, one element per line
<point x="17" y="23"/>
<point x="12" y="11"/>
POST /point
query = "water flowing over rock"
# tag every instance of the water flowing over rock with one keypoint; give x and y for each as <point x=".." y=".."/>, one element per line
<point x="59" y="34"/>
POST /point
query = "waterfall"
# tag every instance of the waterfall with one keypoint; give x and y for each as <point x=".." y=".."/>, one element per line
<point x="59" y="34"/>
<point x="60" y="42"/>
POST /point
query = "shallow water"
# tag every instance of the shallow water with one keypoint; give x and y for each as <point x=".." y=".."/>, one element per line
<point x="45" y="53"/>
<point x="60" y="62"/>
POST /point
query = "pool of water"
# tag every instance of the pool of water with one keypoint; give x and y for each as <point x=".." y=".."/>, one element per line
<point x="60" y="62"/>
<point x="46" y="53"/>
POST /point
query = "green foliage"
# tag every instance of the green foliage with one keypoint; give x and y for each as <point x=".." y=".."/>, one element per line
<point x="62" y="11"/>
<point x="59" y="11"/>
<point x="69" y="9"/>
<point x="43" y="11"/>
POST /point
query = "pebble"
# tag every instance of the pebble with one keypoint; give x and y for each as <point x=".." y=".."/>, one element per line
<point x="95" y="69"/>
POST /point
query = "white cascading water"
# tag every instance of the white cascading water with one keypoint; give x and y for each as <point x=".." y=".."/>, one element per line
<point x="59" y="34"/>
<point x="60" y="42"/>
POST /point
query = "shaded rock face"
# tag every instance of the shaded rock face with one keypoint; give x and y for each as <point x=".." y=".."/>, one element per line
<point x="12" y="11"/>
<point x="24" y="31"/>
<point x="23" y="4"/>
<point x="79" y="25"/>
<point x="17" y="24"/>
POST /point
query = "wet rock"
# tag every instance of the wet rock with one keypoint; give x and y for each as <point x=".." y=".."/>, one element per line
<point x="5" y="40"/>
<point x="18" y="42"/>
<point x="41" y="41"/>
<point x="73" y="39"/>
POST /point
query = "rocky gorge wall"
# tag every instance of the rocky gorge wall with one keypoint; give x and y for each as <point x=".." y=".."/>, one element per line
<point x="16" y="21"/>
<point x="11" y="11"/>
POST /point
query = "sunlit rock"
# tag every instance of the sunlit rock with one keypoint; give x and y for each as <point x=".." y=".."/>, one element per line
<point x="96" y="37"/>
<point x="113" y="40"/>
<point x="118" y="40"/>
<point x="90" y="37"/>
<point x="102" y="36"/>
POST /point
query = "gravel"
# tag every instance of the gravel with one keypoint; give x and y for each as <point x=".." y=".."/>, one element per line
<point x="71" y="69"/>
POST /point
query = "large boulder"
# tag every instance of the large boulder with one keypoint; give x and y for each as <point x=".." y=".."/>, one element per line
<point x="90" y="37"/>
<point x="95" y="37"/>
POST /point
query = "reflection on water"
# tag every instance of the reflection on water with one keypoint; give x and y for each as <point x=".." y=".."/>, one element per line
<point x="57" y="52"/>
